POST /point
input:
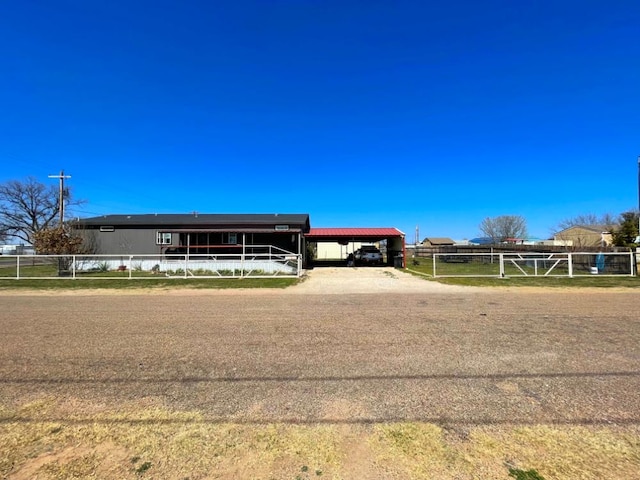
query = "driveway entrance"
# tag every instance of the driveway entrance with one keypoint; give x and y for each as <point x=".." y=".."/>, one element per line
<point x="336" y="280"/>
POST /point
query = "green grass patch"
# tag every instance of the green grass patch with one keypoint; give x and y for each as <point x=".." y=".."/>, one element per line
<point x="150" y="283"/>
<point x="553" y="282"/>
<point x="525" y="474"/>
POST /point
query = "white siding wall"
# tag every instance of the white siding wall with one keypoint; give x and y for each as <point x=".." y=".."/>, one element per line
<point x="335" y="251"/>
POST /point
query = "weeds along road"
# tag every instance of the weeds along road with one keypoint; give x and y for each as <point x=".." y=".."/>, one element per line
<point x="462" y="357"/>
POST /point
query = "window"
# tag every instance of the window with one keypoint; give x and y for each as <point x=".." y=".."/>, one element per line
<point x="163" y="238"/>
<point x="107" y="229"/>
<point x="282" y="228"/>
<point x="230" y="238"/>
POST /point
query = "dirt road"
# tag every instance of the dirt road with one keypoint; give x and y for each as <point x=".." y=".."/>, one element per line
<point x="375" y="350"/>
<point x="443" y="354"/>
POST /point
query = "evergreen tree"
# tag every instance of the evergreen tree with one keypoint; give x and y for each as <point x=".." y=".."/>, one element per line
<point x="625" y="235"/>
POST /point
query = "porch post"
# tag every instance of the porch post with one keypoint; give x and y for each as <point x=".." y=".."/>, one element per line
<point x="244" y="252"/>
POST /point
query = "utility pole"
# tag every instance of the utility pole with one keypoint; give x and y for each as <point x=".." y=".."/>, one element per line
<point x="61" y="177"/>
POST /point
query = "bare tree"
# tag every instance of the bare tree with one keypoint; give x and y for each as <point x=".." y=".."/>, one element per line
<point x="27" y="207"/>
<point x="505" y="226"/>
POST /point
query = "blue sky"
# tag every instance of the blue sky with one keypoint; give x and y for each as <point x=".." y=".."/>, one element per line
<point x="360" y="113"/>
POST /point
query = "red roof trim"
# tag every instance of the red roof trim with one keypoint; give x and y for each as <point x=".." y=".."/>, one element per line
<point x="354" y="232"/>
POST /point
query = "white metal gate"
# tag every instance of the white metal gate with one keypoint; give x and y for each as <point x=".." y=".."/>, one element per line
<point x="531" y="264"/>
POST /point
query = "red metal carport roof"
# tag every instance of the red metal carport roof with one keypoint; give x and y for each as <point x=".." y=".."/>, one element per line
<point x="349" y="233"/>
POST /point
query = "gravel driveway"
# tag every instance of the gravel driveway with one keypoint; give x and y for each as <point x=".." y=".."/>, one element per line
<point x="334" y="280"/>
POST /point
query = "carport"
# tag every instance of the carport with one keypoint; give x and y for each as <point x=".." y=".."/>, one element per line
<point x="392" y="238"/>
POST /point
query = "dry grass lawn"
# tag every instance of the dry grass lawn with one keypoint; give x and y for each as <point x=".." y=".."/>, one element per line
<point x="136" y="441"/>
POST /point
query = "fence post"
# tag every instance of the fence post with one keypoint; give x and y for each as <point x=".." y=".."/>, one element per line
<point x="434" y="265"/>
<point x="501" y="258"/>
<point x="130" y="265"/>
<point x="73" y="267"/>
<point x="18" y="267"/>
<point x="570" y="263"/>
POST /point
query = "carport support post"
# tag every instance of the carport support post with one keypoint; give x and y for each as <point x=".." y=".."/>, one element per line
<point x="404" y="251"/>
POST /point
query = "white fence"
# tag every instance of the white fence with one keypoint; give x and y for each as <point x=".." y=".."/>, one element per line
<point x="272" y="263"/>
<point x="531" y="264"/>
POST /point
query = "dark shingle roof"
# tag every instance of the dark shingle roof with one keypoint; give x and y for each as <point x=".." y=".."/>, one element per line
<point x="199" y="220"/>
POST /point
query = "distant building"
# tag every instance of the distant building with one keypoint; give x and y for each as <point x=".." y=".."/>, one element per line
<point x="437" y="242"/>
<point x="481" y="241"/>
<point x="556" y="243"/>
<point x="16" y="250"/>
<point x="585" y="236"/>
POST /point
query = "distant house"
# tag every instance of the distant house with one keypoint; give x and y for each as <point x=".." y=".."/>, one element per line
<point x="437" y="242"/>
<point x="579" y="236"/>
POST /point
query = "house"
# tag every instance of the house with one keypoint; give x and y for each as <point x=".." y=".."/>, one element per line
<point x="226" y="236"/>
<point x="194" y="233"/>
<point x="587" y="236"/>
<point x="437" y="242"/>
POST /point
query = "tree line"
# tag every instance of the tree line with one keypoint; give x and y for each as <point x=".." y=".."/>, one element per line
<point x="623" y="228"/>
